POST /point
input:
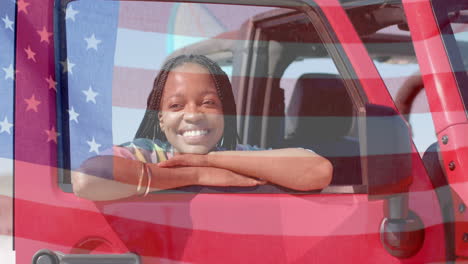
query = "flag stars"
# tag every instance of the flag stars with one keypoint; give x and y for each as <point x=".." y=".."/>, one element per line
<point x="67" y="66"/>
<point x="70" y="13"/>
<point x="51" y="82"/>
<point x="22" y="6"/>
<point x="93" y="146"/>
<point x="73" y="115"/>
<point x="31" y="54"/>
<point x="8" y="22"/>
<point x="90" y="95"/>
<point x="52" y="134"/>
<point x="5" y="126"/>
<point x="45" y="35"/>
<point x="92" y="42"/>
<point x="9" y="72"/>
<point x="32" y="103"/>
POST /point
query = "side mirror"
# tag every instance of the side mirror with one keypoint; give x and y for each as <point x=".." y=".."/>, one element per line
<point x="387" y="152"/>
<point x="387" y="164"/>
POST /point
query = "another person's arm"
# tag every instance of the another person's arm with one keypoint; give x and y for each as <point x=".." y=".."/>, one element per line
<point x="295" y="168"/>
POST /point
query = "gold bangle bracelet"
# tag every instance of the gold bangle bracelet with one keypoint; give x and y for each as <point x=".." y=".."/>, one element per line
<point x="148" y="187"/>
<point x="140" y="178"/>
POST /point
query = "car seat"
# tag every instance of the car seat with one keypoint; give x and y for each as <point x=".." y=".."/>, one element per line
<point x="319" y="118"/>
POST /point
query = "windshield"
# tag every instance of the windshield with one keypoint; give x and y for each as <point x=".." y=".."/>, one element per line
<point x="452" y="18"/>
<point x="459" y="26"/>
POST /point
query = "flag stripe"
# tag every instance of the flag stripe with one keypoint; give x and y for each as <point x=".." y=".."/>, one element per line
<point x="35" y="112"/>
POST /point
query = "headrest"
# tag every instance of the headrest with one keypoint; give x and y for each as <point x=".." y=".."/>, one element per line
<point x="320" y="109"/>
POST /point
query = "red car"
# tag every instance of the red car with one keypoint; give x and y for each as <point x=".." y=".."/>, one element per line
<point x="377" y="87"/>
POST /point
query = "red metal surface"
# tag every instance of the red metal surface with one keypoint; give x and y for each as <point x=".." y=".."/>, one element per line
<point x="446" y="106"/>
<point x="209" y="227"/>
<point x="46" y="217"/>
<point x="441" y="89"/>
<point x="456" y="152"/>
<point x="368" y="75"/>
<point x="377" y="93"/>
<point x="461" y="226"/>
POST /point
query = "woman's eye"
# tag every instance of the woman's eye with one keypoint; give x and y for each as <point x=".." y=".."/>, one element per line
<point x="174" y="106"/>
<point x="209" y="102"/>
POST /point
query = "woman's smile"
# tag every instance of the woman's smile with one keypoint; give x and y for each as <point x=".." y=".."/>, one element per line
<point x="193" y="133"/>
<point x="195" y="136"/>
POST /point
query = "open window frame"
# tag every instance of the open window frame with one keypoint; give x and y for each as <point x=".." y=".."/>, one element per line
<point x="253" y="32"/>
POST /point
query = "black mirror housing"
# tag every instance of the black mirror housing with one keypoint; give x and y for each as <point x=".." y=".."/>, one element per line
<point x="387" y="152"/>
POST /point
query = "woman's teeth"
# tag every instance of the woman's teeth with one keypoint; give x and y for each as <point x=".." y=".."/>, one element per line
<point x="194" y="133"/>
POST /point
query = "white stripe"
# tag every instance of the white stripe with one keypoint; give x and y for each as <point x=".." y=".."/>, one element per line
<point x="146" y="50"/>
<point x="6" y="251"/>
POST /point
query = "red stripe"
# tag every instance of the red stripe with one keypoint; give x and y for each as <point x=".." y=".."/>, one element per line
<point x="131" y="87"/>
<point x="145" y="16"/>
<point x="67" y="227"/>
<point x="31" y="140"/>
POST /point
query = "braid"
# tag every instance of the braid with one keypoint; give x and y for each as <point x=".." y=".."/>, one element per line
<point x="218" y="85"/>
<point x="150" y="128"/>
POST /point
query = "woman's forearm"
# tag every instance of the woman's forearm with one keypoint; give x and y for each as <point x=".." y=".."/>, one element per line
<point x="95" y="188"/>
<point x="297" y="169"/>
<point x="110" y="177"/>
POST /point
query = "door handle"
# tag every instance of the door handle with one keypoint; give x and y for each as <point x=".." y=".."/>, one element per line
<point x="45" y="256"/>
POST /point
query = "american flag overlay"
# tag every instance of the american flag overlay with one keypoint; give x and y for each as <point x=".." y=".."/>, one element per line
<point x="7" y="75"/>
<point x="89" y="69"/>
<point x="35" y="91"/>
<point x="93" y="96"/>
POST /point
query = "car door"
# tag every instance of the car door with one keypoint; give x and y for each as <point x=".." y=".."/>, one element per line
<point x="106" y="54"/>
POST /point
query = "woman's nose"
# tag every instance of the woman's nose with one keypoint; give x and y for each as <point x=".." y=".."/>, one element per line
<point x="193" y="114"/>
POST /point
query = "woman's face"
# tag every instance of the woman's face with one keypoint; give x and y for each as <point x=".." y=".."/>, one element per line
<point x="191" y="113"/>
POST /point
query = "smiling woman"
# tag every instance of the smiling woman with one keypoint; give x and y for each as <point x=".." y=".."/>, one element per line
<point x="191" y="113"/>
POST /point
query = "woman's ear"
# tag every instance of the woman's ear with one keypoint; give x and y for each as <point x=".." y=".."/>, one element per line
<point x="161" y="121"/>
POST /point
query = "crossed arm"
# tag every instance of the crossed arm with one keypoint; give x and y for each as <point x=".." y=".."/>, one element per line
<point x="294" y="168"/>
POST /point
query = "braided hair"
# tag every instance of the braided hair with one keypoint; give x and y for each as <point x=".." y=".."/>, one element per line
<point x="150" y="127"/>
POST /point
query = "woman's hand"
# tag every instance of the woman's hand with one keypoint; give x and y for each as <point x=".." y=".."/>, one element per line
<point x="294" y="168"/>
<point x="220" y="177"/>
<point x="186" y="160"/>
<point x="207" y="175"/>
